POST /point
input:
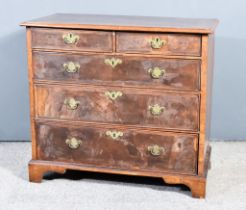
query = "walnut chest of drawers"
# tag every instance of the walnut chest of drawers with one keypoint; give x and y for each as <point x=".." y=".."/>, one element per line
<point x="123" y="95"/>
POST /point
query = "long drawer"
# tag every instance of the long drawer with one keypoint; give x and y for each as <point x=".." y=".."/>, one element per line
<point x="118" y="105"/>
<point x="178" y="74"/>
<point x="79" y="40"/>
<point x="117" y="148"/>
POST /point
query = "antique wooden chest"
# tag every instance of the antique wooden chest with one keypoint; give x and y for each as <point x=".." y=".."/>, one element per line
<point x="123" y="95"/>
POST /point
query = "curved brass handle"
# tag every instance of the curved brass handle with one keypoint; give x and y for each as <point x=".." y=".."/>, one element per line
<point x="71" y="103"/>
<point x="73" y="143"/>
<point x="156" y="109"/>
<point x="114" y="134"/>
<point x="70" y="38"/>
<point x="157" y="43"/>
<point x="71" y="67"/>
<point x="113" y="95"/>
<point x="156" y="72"/>
<point x="113" y="62"/>
<point x="156" y="150"/>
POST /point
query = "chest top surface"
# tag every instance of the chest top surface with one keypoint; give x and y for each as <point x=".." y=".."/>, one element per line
<point x="130" y="23"/>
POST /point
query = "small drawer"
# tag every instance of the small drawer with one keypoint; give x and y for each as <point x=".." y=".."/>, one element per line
<point x="124" y="149"/>
<point x="154" y="43"/>
<point x="119" y="105"/>
<point x="178" y="74"/>
<point x="80" y="40"/>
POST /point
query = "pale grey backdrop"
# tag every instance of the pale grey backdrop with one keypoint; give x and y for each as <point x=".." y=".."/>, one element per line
<point x="229" y="97"/>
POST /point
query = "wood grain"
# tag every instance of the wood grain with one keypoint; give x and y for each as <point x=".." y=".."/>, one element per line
<point x="197" y="184"/>
<point x="181" y="129"/>
<point x="88" y="40"/>
<point x="185" y="57"/>
<point x="206" y="100"/>
<point x="203" y="105"/>
<point x="31" y="91"/>
<point x="129" y="151"/>
<point x="176" y="44"/>
<point x="180" y="110"/>
<point x="128" y="23"/>
<point x="179" y="74"/>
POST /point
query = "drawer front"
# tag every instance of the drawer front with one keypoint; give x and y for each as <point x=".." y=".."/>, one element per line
<point x="121" y="106"/>
<point x="120" y="149"/>
<point x="129" y="70"/>
<point x="152" y="43"/>
<point x="80" y="40"/>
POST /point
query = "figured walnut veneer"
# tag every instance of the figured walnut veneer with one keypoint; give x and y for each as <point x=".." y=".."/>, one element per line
<point x="122" y="95"/>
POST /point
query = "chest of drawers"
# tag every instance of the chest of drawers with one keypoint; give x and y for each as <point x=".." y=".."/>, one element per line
<point x="122" y="95"/>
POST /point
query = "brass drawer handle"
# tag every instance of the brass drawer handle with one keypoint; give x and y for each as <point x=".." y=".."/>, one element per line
<point x="156" y="72"/>
<point x="114" y="134"/>
<point x="71" y="67"/>
<point x="70" y="38"/>
<point x="71" y="103"/>
<point x="156" y="109"/>
<point x="113" y="62"/>
<point x="73" y="143"/>
<point x="113" y="95"/>
<point x="156" y="150"/>
<point x="157" y="43"/>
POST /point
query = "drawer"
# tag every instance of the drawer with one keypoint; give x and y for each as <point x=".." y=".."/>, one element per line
<point x="80" y="40"/>
<point x="117" y="148"/>
<point x="131" y="70"/>
<point x="154" y="43"/>
<point x="118" y="105"/>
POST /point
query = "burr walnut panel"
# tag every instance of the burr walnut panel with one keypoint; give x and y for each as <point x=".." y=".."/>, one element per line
<point x="179" y="74"/>
<point x="81" y="40"/>
<point x="132" y="150"/>
<point x="119" y="105"/>
<point x="154" y="43"/>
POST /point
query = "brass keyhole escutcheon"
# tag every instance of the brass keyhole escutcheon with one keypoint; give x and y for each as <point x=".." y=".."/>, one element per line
<point x="70" y="38"/>
<point x="156" y="150"/>
<point x="71" y="103"/>
<point x="113" y="95"/>
<point x="114" y="134"/>
<point x="157" y="43"/>
<point x="113" y="62"/>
